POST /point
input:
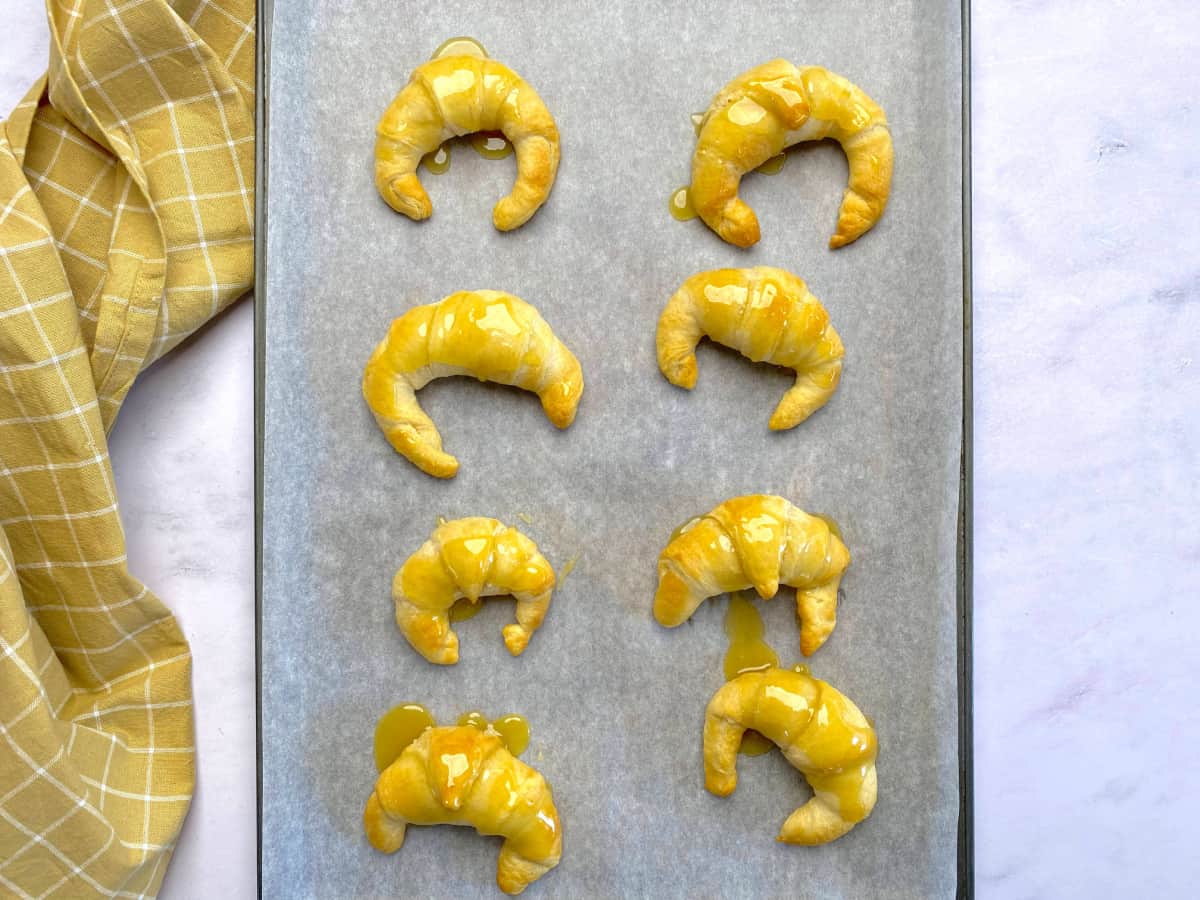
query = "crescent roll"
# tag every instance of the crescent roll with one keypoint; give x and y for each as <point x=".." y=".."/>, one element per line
<point x="488" y="334"/>
<point x="820" y="731"/>
<point x="456" y="95"/>
<point x="464" y="776"/>
<point x="472" y="558"/>
<point x="767" y="315"/>
<point x="777" y="105"/>
<point x="755" y="541"/>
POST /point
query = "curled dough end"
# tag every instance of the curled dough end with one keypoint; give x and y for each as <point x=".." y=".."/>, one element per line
<point x="561" y="399"/>
<point x="682" y="372"/>
<point x="405" y="194"/>
<point x="739" y="226"/>
<point x="819" y="822"/>
<point x="516" y="639"/>
<point x="385" y="833"/>
<point x="422" y="448"/>
<point x="675" y="601"/>
<point x="428" y="631"/>
<point x="537" y="166"/>
<point x="811" y="391"/>
<point x="736" y="224"/>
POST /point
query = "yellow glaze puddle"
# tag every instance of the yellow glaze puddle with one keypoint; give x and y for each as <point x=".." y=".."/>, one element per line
<point x="774" y="165"/>
<point x="460" y="46"/>
<point x="490" y="144"/>
<point x="747" y="652"/>
<point x="474" y="718"/>
<point x="568" y="568"/>
<point x="680" y="205"/>
<point x="464" y="609"/>
<point x="396" y="729"/>
<point x="437" y="162"/>
<point x="512" y="728"/>
<point x="403" y="724"/>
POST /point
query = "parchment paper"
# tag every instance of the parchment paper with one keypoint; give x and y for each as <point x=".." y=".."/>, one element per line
<point x="615" y="702"/>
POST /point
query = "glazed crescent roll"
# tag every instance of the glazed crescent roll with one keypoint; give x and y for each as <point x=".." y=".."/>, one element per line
<point x="461" y="775"/>
<point x="767" y="315"/>
<point x="456" y="95"/>
<point x="820" y="731"/>
<point x="487" y="334"/>
<point x="757" y="541"/>
<point x="472" y="558"/>
<point x="777" y="105"/>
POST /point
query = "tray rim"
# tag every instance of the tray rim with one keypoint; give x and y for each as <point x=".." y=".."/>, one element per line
<point x="965" y="550"/>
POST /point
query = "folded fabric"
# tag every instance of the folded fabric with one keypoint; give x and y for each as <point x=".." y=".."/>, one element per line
<point x="126" y="222"/>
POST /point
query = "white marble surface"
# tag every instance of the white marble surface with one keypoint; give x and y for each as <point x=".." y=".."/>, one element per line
<point x="1087" y="453"/>
<point x="1087" y="445"/>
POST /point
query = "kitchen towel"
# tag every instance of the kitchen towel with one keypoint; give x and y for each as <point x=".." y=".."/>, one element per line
<point x="126" y="222"/>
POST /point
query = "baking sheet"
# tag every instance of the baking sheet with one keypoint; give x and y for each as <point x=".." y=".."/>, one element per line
<point x="615" y="702"/>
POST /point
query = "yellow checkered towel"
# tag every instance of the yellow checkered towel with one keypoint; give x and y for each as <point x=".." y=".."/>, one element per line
<point x="126" y="210"/>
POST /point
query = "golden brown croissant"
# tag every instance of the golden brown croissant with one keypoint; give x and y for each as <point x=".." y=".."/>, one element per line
<point x="456" y="95"/>
<point x="488" y="334"/>
<point x="755" y="541"/>
<point x="774" y="106"/>
<point x="766" y="314"/>
<point x="472" y="558"/>
<point x="820" y="732"/>
<point x="464" y="776"/>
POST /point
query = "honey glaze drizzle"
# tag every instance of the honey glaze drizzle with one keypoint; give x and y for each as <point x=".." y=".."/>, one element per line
<point x="488" y="144"/>
<point x="437" y="162"/>
<point x="396" y="729"/>
<point x="747" y="652"/>
<point x="680" y="205"/>
<point x="403" y="724"/>
<point x="568" y="568"/>
<point x="512" y="728"/>
<point x="464" y="609"/>
<point x="462" y="45"/>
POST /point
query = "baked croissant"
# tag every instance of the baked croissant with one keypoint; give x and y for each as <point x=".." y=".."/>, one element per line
<point x="456" y="95"/>
<point x="464" y="776"/>
<point x="493" y="336"/>
<point x="756" y="541"/>
<point x="820" y="731"/>
<point x="774" y="106"/>
<point x="472" y="558"/>
<point x="766" y="314"/>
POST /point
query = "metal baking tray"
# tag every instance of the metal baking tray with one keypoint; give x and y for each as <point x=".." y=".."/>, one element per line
<point x="615" y="702"/>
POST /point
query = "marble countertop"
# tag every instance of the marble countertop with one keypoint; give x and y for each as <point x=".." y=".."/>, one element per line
<point x="1087" y="467"/>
